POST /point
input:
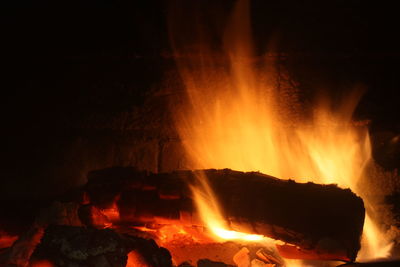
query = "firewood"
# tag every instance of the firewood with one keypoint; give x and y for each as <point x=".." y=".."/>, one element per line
<point x="81" y="246"/>
<point x="383" y="263"/>
<point x="208" y="263"/>
<point x="317" y="221"/>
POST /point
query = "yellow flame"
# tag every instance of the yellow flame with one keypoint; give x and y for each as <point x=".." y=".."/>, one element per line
<point x="376" y="246"/>
<point x="242" y="116"/>
<point x="209" y="210"/>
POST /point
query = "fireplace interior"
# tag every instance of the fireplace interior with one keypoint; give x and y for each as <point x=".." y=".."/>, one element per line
<point x="206" y="133"/>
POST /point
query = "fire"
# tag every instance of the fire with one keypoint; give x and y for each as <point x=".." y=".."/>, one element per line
<point x="7" y="240"/>
<point x="375" y="245"/>
<point x="236" y="116"/>
<point x="112" y="213"/>
<point x="42" y="263"/>
<point x="209" y="210"/>
<point x="135" y="260"/>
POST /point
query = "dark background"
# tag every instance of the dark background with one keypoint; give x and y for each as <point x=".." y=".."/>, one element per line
<point x="64" y="61"/>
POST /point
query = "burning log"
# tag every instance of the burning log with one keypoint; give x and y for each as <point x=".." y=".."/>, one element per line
<point x="373" y="264"/>
<point x="318" y="221"/>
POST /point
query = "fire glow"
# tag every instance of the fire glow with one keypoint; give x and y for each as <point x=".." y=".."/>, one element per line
<point x="237" y="117"/>
<point x="210" y="213"/>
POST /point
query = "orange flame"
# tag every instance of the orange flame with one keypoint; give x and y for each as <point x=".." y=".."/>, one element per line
<point x="238" y="117"/>
<point x="211" y="214"/>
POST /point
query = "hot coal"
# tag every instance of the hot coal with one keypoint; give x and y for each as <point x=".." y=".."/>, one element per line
<point x="83" y="247"/>
<point x="208" y="263"/>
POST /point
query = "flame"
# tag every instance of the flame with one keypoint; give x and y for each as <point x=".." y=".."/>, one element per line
<point x="239" y="116"/>
<point x="209" y="210"/>
<point x="376" y="246"/>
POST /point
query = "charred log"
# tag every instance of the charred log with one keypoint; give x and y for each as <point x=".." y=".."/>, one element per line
<point x="319" y="221"/>
<point x="373" y="264"/>
<point x="82" y="247"/>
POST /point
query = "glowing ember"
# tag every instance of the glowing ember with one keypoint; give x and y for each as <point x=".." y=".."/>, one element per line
<point x="135" y="260"/>
<point x="7" y="240"/>
<point x="112" y="212"/>
<point x="42" y="263"/>
<point x="176" y="233"/>
<point x="236" y="117"/>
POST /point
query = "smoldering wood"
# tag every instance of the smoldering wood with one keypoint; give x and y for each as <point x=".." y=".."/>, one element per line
<point x="389" y="263"/>
<point x="208" y="263"/>
<point x="81" y="247"/>
<point x="321" y="221"/>
<point x="90" y="215"/>
<point x="19" y="253"/>
<point x="61" y="213"/>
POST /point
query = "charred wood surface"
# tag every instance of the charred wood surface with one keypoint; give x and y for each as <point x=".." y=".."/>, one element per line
<point x="321" y="221"/>
<point x="82" y="247"/>
<point x="208" y="263"/>
<point x="394" y="263"/>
